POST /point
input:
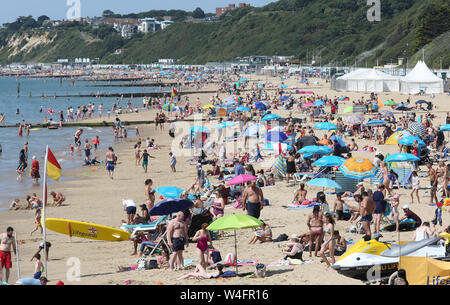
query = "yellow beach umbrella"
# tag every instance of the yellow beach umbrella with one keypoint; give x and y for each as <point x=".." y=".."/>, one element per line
<point x="358" y="168"/>
<point x="208" y="106"/>
<point x="396" y="136"/>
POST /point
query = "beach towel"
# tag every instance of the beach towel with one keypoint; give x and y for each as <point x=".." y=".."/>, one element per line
<point x="189" y="261"/>
<point x="288" y="262"/>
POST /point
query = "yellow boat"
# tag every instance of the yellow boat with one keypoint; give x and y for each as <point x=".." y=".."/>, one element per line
<point x="86" y="230"/>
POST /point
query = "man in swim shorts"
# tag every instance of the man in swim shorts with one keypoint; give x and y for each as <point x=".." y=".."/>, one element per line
<point x="367" y="207"/>
<point x="177" y="237"/>
<point x="255" y="198"/>
<point x="6" y="241"/>
<point x="110" y="162"/>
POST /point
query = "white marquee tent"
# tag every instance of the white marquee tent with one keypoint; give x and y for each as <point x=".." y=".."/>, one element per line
<point x="421" y="78"/>
<point x="367" y="80"/>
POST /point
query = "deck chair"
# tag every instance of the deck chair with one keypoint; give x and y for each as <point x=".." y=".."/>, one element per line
<point x="404" y="176"/>
<point x="347" y="184"/>
<point x="162" y="240"/>
<point x="377" y="179"/>
<point x="134" y="229"/>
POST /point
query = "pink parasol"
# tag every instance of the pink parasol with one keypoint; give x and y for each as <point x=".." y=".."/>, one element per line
<point x="241" y="179"/>
<point x="307" y="105"/>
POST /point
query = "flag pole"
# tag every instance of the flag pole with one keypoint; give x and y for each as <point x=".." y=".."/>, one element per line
<point x="44" y="194"/>
<point x="17" y="255"/>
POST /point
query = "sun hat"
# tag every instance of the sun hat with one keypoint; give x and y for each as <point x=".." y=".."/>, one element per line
<point x="294" y="236"/>
<point x="396" y="196"/>
<point x="405" y="207"/>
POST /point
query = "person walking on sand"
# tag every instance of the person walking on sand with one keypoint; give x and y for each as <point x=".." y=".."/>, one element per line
<point x="137" y="153"/>
<point x="366" y="209"/>
<point x="415" y="185"/>
<point x="173" y="162"/>
<point x="7" y="241"/>
<point x="37" y="221"/>
<point x="177" y="238"/>
<point x="144" y="158"/>
<point x="111" y="160"/>
<point x="433" y="182"/>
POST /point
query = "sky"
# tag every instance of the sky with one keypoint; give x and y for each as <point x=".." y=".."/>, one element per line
<point x="57" y="9"/>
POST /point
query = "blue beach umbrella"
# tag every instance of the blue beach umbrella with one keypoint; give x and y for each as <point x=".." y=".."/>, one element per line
<point x="402" y="157"/>
<point x="445" y="127"/>
<point x="316" y="150"/>
<point x="324" y="182"/>
<point x="326" y="126"/>
<point x="276" y="136"/>
<point x="199" y="128"/>
<point x="170" y="206"/>
<point x="409" y="141"/>
<point x="260" y="106"/>
<point x="376" y="123"/>
<point x="329" y="161"/>
<point x="169" y="191"/>
<point x="242" y="109"/>
<point x="319" y="103"/>
<point x="225" y="125"/>
<point x="270" y="117"/>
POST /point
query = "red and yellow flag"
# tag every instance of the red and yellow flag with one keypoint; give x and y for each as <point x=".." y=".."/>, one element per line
<point x="174" y="92"/>
<point x="53" y="167"/>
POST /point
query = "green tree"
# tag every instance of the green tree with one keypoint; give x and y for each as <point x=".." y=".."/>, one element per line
<point x="198" y="13"/>
<point x="107" y="13"/>
<point x="42" y="19"/>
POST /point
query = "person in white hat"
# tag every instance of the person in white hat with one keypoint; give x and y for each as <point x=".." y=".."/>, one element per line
<point x="295" y="249"/>
<point x="411" y="215"/>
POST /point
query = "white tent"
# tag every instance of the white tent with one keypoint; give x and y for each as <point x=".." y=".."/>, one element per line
<point x="367" y="80"/>
<point x="421" y="78"/>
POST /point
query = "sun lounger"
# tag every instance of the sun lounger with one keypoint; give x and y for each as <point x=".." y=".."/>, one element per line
<point x="143" y="227"/>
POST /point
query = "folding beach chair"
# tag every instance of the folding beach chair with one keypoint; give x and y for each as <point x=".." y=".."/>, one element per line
<point x="158" y="246"/>
<point x="134" y="229"/>
<point x="347" y="184"/>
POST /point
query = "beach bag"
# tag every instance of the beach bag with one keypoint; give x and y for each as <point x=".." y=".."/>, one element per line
<point x="260" y="270"/>
<point x="216" y="257"/>
<point x="281" y="237"/>
<point x="151" y="264"/>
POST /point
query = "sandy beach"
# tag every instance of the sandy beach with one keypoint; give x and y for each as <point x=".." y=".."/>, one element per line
<point x="93" y="197"/>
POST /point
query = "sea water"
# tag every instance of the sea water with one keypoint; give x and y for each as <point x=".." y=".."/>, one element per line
<point x="59" y="139"/>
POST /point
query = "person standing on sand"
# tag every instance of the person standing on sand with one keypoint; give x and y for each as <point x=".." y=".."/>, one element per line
<point x="6" y="241"/>
<point x="173" y="162"/>
<point x="255" y="198"/>
<point x="433" y="182"/>
<point x="366" y="209"/>
<point x="111" y="160"/>
<point x="149" y="194"/>
<point x="177" y="238"/>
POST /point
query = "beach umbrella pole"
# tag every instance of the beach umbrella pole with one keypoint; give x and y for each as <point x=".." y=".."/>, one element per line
<point x="235" y="251"/>
<point x="45" y="211"/>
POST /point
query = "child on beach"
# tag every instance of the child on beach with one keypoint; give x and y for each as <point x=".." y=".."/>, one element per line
<point x="38" y="267"/>
<point x="415" y="182"/>
<point x="173" y="162"/>
<point x="37" y="221"/>
<point x="144" y="159"/>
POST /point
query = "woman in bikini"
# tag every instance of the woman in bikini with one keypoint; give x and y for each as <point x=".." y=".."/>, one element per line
<point x="218" y="206"/>
<point x="137" y="153"/>
<point x="300" y="195"/>
<point x="202" y="237"/>
<point x="330" y="243"/>
<point x="265" y="235"/>
<point x="149" y="194"/>
<point x="315" y="225"/>
<point x="386" y="180"/>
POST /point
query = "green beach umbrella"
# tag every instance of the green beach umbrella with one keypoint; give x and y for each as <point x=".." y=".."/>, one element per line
<point x="348" y="109"/>
<point x="234" y="222"/>
<point x="389" y="103"/>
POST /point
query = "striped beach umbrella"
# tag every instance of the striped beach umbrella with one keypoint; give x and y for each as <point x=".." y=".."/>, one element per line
<point x="354" y="119"/>
<point x="358" y="168"/>
<point x="386" y="113"/>
<point x="416" y="129"/>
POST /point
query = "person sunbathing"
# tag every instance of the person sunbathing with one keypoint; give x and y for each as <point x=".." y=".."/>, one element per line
<point x="200" y="273"/>
<point x="264" y="236"/>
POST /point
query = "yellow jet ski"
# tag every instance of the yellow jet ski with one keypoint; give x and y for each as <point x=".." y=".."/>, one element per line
<point x="374" y="261"/>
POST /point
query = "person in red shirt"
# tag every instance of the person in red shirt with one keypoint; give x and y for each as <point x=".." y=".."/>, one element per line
<point x="35" y="170"/>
